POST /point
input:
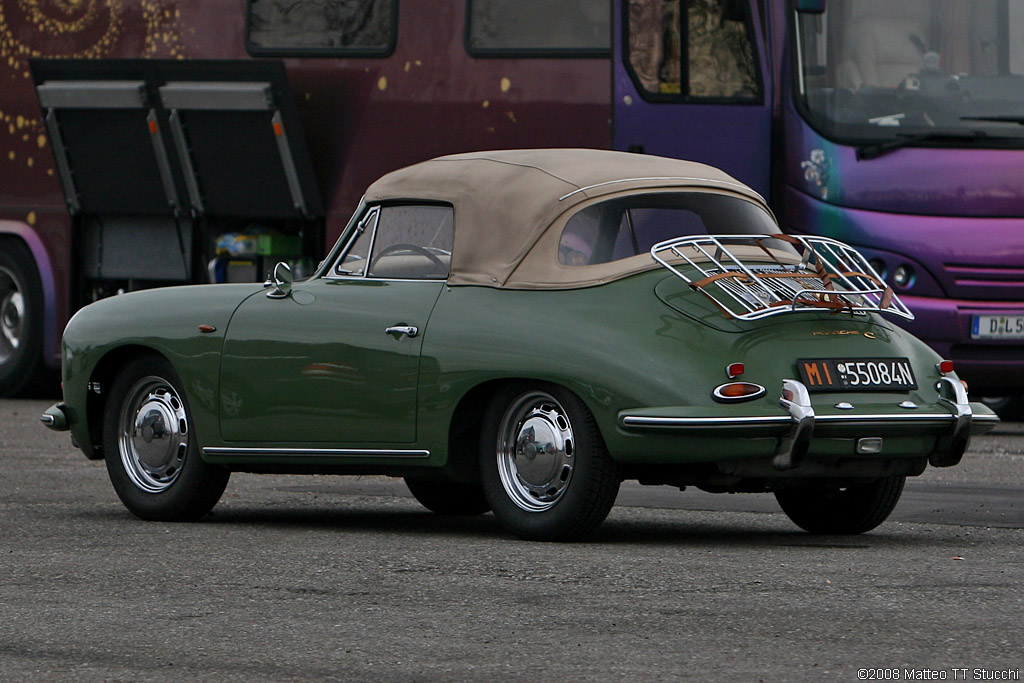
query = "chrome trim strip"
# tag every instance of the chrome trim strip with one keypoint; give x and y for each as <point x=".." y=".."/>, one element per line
<point x="659" y="178"/>
<point x="641" y="421"/>
<point x="349" y="278"/>
<point x="889" y="417"/>
<point x="317" y="452"/>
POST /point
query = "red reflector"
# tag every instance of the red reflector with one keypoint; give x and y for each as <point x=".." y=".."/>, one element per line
<point x="278" y="129"/>
<point x="946" y="367"/>
<point x="152" y="128"/>
<point x="734" y="370"/>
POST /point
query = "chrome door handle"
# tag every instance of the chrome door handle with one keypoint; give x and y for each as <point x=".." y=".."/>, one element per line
<point x="397" y="331"/>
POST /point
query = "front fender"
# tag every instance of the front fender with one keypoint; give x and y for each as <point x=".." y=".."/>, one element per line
<point x="103" y="336"/>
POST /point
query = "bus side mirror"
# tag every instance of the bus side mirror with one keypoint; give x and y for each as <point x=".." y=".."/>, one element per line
<point x="810" y="6"/>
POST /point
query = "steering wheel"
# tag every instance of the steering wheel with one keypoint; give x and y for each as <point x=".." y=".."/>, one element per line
<point x="414" y="248"/>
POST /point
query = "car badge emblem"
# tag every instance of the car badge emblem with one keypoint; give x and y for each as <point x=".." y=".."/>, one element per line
<point x="843" y="333"/>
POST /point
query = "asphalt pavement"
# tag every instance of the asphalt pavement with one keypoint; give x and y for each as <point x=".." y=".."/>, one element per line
<point x="331" y="578"/>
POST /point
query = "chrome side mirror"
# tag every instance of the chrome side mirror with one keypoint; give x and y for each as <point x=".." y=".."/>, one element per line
<point x="281" y="281"/>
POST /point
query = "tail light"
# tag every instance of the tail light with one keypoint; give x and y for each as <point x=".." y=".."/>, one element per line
<point x="735" y="392"/>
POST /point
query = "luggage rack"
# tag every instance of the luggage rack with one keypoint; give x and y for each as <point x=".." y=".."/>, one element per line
<point x="817" y="273"/>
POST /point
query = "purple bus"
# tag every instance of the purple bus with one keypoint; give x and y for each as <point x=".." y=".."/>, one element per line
<point x="894" y="125"/>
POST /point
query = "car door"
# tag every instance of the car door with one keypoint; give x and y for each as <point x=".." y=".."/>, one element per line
<point x="690" y="81"/>
<point x="335" y="359"/>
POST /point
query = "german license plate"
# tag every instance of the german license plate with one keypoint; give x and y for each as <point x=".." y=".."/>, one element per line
<point x="856" y="374"/>
<point x="997" y="327"/>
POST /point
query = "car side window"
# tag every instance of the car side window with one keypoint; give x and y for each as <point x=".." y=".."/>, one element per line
<point x="401" y="242"/>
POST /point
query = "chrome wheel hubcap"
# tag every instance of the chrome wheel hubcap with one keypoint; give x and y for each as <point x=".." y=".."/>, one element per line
<point x="536" y="449"/>
<point x="12" y="313"/>
<point x="153" y="434"/>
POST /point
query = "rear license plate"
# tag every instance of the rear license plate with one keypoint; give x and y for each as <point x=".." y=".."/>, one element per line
<point x="856" y="374"/>
<point x="997" y="327"/>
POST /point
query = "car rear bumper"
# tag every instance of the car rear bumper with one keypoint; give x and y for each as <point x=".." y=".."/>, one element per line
<point x="952" y="420"/>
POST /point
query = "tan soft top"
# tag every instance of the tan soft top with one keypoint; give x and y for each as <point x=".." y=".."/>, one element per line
<point x="510" y="207"/>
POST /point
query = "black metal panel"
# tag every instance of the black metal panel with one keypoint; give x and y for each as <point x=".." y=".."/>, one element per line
<point x="112" y="158"/>
<point x="238" y="164"/>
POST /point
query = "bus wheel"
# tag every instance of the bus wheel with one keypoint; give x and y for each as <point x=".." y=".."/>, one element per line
<point x="21" y="320"/>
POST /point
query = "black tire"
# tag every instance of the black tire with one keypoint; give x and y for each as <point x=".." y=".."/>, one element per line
<point x="822" y="508"/>
<point x="1009" y="408"/>
<point x="562" y="486"/>
<point x="151" y="449"/>
<point x="449" y="497"/>
<point x="21" y="324"/>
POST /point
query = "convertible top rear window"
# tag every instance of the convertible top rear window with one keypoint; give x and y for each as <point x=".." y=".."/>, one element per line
<point x="627" y="226"/>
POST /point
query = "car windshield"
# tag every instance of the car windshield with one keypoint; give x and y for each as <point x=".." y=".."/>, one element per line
<point x="935" y="72"/>
<point x="624" y="227"/>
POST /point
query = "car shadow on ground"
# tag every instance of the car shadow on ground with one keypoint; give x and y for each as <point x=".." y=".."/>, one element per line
<point x="729" y="529"/>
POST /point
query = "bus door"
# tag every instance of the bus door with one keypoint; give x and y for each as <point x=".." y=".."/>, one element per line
<point x="690" y="81"/>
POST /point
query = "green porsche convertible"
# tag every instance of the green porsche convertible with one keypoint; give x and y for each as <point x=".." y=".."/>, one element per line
<point x="519" y="332"/>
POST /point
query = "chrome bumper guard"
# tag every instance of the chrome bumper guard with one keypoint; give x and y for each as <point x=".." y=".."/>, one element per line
<point x="793" y="445"/>
<point x="797" y="401"/>
<point x="55" y="418"/>
<point x="953" y="395"/>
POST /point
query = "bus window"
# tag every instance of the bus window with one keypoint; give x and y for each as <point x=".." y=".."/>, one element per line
<point x="875" y="71"/>
<point x="321" y="27"/>
<point x="714" y="35"/>
<point x="538" y="27"/>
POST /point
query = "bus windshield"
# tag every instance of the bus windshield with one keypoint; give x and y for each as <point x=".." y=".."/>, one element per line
<point x="887" y="73"/>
